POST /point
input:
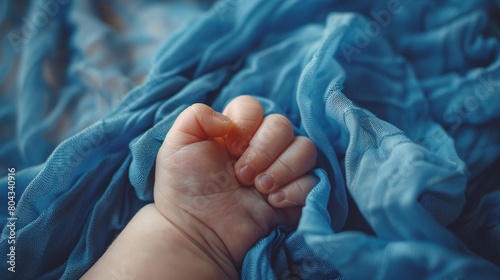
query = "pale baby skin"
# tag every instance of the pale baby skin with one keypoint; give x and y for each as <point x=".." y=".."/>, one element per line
<point x="222" y="182"/>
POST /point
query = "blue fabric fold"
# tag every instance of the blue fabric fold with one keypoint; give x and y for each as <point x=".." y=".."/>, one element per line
<point x="401" y="98"/>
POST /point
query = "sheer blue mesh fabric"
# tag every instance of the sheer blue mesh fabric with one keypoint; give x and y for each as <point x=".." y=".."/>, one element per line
<point x="401" y="98"/>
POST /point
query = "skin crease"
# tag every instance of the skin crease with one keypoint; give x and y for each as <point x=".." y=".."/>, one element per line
<point x="223" y="181"/>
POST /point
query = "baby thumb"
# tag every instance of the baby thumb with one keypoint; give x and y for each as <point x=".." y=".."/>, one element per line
<point x="197" y="123"/>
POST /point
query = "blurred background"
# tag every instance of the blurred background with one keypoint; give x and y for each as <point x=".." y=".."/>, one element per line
<point x="65" y="64"/>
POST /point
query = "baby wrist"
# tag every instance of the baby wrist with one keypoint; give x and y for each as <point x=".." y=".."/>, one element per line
<point x="200" y="239"/>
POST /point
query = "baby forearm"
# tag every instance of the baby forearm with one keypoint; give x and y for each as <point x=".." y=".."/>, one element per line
<point x="151" y="247"/>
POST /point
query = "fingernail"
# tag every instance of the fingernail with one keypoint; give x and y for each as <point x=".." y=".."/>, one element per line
<point x="221" y="117"/>
<point x="279" y="196"/>
<point x="266" y="181"/>
<point x="247" y="173"/>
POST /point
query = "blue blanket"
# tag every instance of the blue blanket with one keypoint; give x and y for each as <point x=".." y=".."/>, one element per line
<point x="401" y="97"/>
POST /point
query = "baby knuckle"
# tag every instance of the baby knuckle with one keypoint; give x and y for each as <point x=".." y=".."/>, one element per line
<point x="307" y="143"/>
<point x="281" y="124"/>
<point x="260" y="154"/>
<point x="266" y="137"/>
<point x="289" y="171"/>
<point x="308" y="146"/>
<point x="303" y="186"/>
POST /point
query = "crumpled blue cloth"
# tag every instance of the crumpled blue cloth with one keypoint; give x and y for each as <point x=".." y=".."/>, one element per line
<point x="401" y="98"/>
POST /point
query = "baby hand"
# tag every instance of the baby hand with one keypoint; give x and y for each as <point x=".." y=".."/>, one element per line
<point x="225" y="180"/>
